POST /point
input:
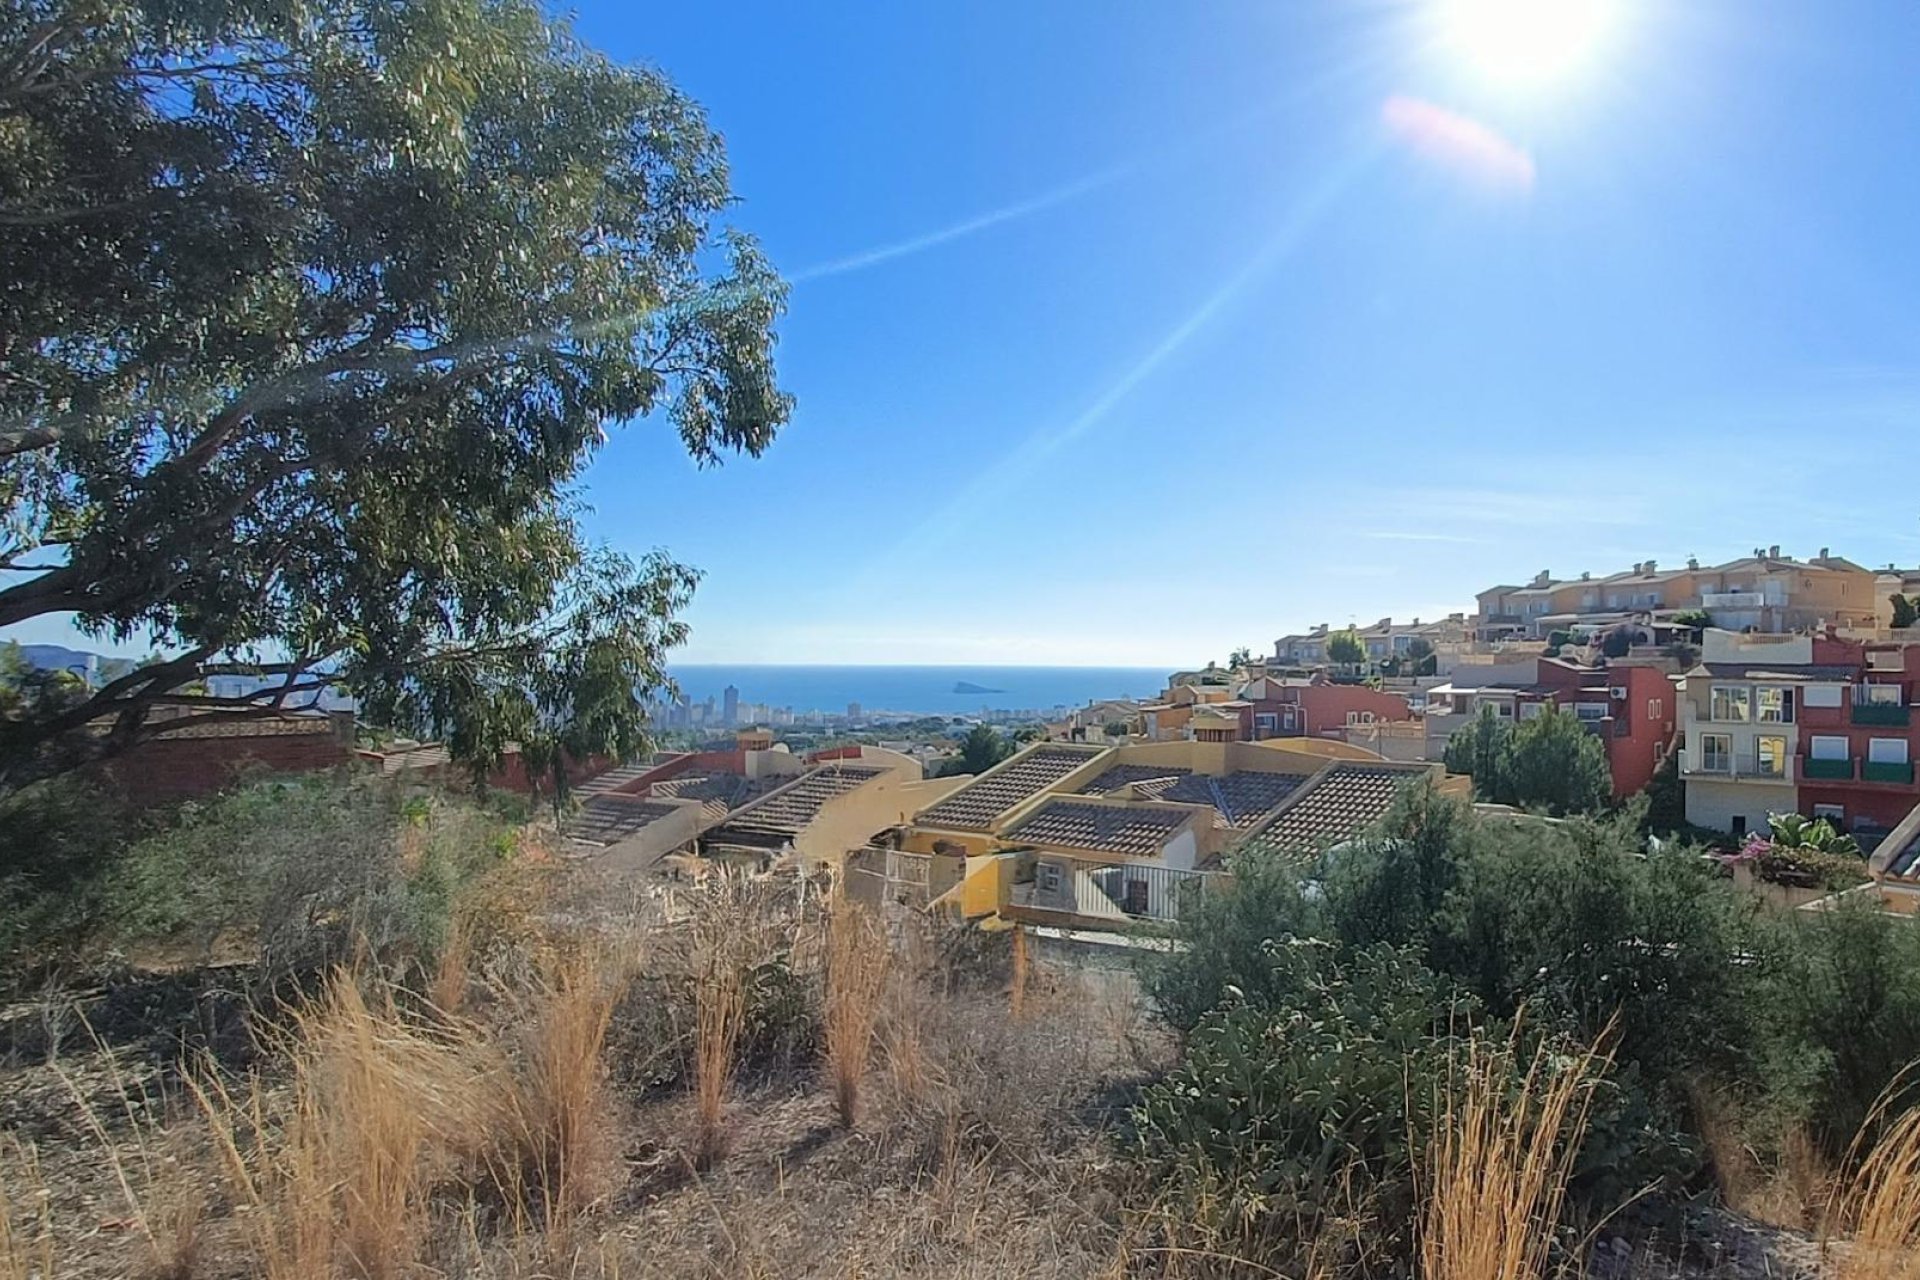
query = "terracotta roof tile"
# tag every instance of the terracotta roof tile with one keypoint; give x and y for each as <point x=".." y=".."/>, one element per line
<point x="1337" y="806"/>
<point x="610" y="819"/>
<point x="978" y="803"/>
<point x="1136" y="829"/>
<point x="793" y="806"/>
<point x="1242" y="797"/>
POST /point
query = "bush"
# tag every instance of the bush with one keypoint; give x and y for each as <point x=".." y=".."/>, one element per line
<point x="58" y="846"/>
<point x="1221" y="943"/>
<point x="1290" y="1103"/>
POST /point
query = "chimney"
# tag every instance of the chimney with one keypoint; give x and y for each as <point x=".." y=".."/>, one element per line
<point x="1416" y="619"/>
<point x="1826" y="553"/>
<point x="1652" y="568"/>
<point x="1693" y="562"/>
<point x="1586" y="577"/>
<point x="1773" y="552"/>
<point x="1544" y="577"/>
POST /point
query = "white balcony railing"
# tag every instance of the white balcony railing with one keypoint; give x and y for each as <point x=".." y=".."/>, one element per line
<point x="1749" y="768"/>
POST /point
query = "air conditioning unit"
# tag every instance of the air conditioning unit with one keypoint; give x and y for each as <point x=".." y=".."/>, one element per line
<point x="1619" y="691"/>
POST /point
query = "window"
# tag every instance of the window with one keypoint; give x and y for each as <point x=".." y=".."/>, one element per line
<point x="1355" y="719"/>
<point x="1731" y="703"/>
<point x="1135" y="902"/>
<point x="1822" y="695"/>
<point x="1877" y="695"/>
<point x="1656" y="708"/>
<point x="1266" y="722"/>
<point x="1828" y="748"/>
<point x="1739" y="825"/>
<point x="1590" y="710"/>
<point x="1887" y="751"/>
<point x="1774" y="706"/>
<point x="1530" y="710"/>
<point x="1770" y="755"/>
<point x="1049" y="877"/>
<point x="1834" y="813"/>
<point x="1716" y="753"/>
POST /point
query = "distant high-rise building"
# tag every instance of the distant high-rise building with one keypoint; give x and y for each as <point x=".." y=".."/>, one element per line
<point x="730" y="706"/>
<point x="853" y="711"/>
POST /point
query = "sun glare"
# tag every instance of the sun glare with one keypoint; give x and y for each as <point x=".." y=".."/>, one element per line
<point x="1525" y="43"/>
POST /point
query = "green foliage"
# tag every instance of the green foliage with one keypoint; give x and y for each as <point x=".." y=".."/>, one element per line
<point x="1346" y="648"/>
<point x="1693" y="619"/>
<point x="1842" y="1017"/>
<point x="1223" y="939"/>
<point x="1904" y="613"/>
<point x="1117" y="728"/>
<point x="55" y="837"/>
<point x="1617" y="642"/>
<point x="1666" y="794"/>
<point x="1316" y="1086"/>
<point x="312" y="868"/>
<point x="1239" y="658"/>
<point x="1475" y="749"/>
<point x="1552" y="763"/>
<point x="982" y="748"/>
<point x="314" y="317"/>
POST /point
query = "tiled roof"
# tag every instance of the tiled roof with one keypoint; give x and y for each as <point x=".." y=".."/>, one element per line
<point x="611" y="819"/>
<point x="1111" y="828"/>
<point x="793" y="806"/>
<point x="730" y="789"/>
<point x="611" y="779"/>
<point x="1338" y="805"/>
<point x="1242" y="797"/>
<point x="978" y="803"/>
<point x="1123" y="775"/>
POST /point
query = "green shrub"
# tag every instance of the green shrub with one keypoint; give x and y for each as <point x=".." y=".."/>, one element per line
<point x="1313" y="1091"/>
<point x="57" y="840"/>
<point x="1842" y="1018"/>
<point x="1220" y="945"/>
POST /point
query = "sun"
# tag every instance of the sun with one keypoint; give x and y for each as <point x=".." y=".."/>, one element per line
<point x="1526" y="43"/>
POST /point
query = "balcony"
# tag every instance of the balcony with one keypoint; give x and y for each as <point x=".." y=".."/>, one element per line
<point x="1899" y="774"/>
<point x="1826" y="770"/>
<point x="1743" y="768"/>
<point x="1891" y="714"/>
<point x="1733" y="600"/>
<point x="1127" y="891"/>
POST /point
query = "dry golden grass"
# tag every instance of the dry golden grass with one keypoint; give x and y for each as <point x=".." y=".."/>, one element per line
<point x="1879" y="1203"/>
<point x="856" y="976"/>
<point x="378" y="1111"/>
<point x="1497" y="1167"/>
<point x="26" y="1217"/>
<point x="452" y="970"/>
<point x="1786" y="1188"/>
<point x="723" y="951"/>
<point x="559" y="1106"/>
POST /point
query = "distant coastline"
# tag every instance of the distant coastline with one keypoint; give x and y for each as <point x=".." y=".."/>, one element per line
<point x="914" y="690"/>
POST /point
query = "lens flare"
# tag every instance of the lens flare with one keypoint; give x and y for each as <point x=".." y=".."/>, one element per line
<point x="1526" y="42"/>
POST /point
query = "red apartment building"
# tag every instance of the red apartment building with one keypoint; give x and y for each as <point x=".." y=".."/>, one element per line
<point x="1867" y="784"/>
<point x="1315" y="708"/>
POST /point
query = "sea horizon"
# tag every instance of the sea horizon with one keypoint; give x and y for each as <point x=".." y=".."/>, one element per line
<point x="914" y="688"/>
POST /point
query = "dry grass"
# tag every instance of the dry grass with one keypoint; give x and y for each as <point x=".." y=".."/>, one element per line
<point x="26" y="1215"/>
<point x="448" y="985"/>
<point x="559" y="1105"/>
<point x="1497" y="1168"/>
<point x="856" y="976"/>
<point x="1880" y="1202"/>
<point x="723" y="951"/>
<point x="1785" y="1189"/>
<point x="378" y="1111"/>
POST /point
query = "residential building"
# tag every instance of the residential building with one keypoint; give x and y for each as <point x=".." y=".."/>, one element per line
<point x="1633" y="708"/>
<point x="1766" y="591"/>
<point x="1316" y="708"/>
<point x="1383" y="642"/>
<point x="1092" y="837"/>
<point x="1814" y="724"/>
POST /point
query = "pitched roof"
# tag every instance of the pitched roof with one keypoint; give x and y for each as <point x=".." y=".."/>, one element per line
<point x="609" y="819"/>
<point x="1336" y="806"/>
<point x="1122" y="775"/>
<point x="1898" y="857"/>
<point x="792" y="807"/>
<point x="1138" y="829"/>
<point x="1005" y="785"/>
<point x="1241" y="798"/>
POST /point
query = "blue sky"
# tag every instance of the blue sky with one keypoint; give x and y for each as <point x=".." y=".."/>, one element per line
<point x="1129" y="332"/>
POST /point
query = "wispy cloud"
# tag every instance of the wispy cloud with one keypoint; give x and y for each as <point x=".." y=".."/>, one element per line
<point x="933" y="239"/>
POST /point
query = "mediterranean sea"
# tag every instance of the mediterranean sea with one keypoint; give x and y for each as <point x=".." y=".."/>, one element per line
<point x="917" y="690"/>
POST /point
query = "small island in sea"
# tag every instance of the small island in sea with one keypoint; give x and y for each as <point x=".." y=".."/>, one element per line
<point x="966" y="687"/>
